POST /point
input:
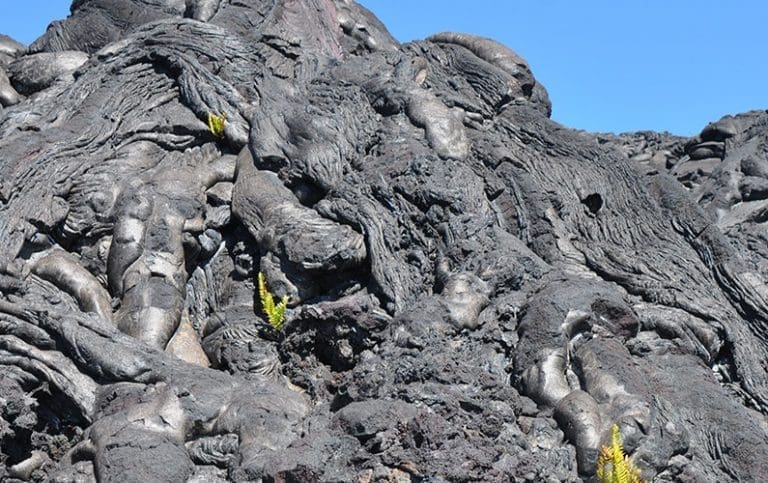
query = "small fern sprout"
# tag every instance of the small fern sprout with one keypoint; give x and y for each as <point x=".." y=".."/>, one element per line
<point x="613" y="466"/>
<point x="216" y="124"/>
<point x="275" y="313"/>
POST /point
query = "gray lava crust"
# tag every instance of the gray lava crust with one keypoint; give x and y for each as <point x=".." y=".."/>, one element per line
<point x="476" y="293"/>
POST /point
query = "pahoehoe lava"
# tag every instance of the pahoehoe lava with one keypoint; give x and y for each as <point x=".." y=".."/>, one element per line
<point x="476" y="293"/>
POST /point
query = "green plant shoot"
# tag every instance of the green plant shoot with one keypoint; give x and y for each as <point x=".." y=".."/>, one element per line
<point x="216" y="124"/>
<point x="613" y="466"/>
<point x="275" y="313"/>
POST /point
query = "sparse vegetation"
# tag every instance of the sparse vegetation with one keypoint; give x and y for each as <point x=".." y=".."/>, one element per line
<point x="275" y="313"/>
<point x="613" y="466"/>
<point x="216" y="124"/>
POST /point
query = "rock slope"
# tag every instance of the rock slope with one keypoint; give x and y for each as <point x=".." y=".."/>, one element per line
<point x="476" y="293"/>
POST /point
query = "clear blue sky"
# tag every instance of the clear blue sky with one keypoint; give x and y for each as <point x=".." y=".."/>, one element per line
<point x="609" y="65"/>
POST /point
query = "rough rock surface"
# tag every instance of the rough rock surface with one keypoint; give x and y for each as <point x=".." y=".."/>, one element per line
<point x="477" y="293"/>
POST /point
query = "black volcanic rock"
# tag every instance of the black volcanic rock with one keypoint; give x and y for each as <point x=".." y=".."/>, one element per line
<point x="476" y="293"/>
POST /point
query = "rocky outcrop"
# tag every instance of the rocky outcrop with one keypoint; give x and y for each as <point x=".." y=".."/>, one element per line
<point x="476" y="293"/>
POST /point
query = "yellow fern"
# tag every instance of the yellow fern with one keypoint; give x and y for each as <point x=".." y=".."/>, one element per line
<point x="275" y="313"/>
<point x="613" y="466"/>
<point x="216" y="124"/>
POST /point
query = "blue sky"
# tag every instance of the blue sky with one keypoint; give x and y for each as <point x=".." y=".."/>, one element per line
<point x="609" y="65"/>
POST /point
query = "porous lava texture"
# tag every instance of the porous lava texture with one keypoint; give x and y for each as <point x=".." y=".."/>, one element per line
<point x="476" y="293"/>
